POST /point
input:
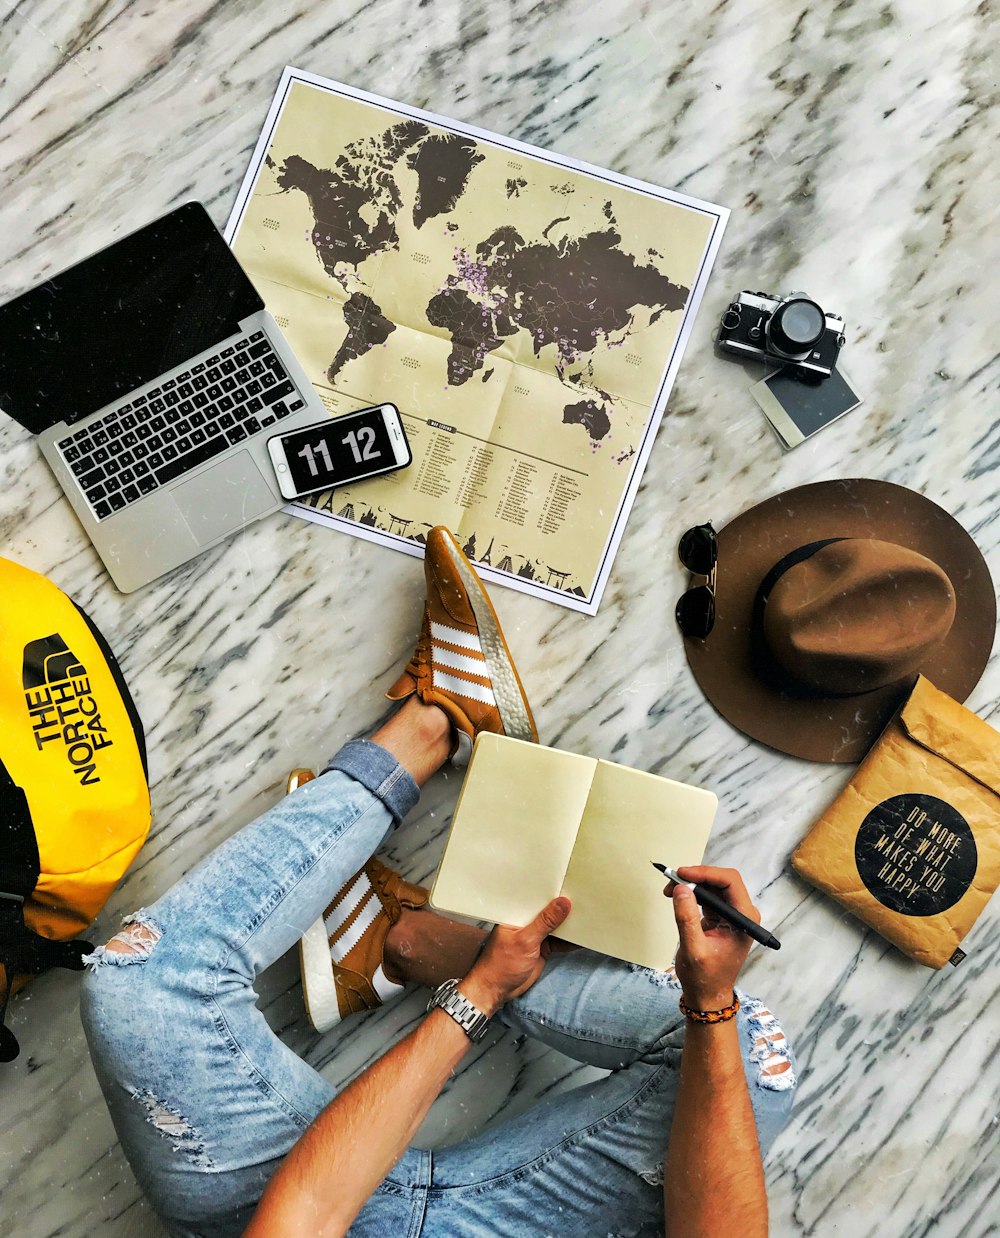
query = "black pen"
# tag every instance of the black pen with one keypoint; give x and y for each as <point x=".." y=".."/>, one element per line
<point x="714" y="902"/>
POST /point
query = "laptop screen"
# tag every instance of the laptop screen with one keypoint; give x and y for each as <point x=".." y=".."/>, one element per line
<point x="119" y="319"/>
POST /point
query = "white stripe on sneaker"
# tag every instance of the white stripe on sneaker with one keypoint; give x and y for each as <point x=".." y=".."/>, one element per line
<point x="455" y="636"/>
<point x="353" y="897"/>
<point x="462" y="687"/>
<point x="460" y="662"/>
<point x="383" y="986"/>
<point x="345" y="944"/>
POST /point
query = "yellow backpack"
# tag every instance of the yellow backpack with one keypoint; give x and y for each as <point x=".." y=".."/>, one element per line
<point x="74" y="799"/>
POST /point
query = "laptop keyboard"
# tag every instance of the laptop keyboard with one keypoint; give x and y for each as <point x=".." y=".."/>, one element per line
<point x="173" y="428"/>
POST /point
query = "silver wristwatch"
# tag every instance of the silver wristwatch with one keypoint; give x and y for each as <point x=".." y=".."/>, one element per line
<point x="469" y="1018"/>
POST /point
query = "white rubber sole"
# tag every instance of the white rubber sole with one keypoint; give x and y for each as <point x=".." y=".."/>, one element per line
<point x="506" y="690"/>
<point x="318" y="987"/>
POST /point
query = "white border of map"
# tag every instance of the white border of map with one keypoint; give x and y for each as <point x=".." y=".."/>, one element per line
<point x="586" y="605"/>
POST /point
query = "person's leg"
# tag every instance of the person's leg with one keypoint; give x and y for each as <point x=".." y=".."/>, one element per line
<point x="463" y="666"/>
<point x="591" y="1160"/>
<point x="205" y="1099"/>
<point x="427" y="949"/>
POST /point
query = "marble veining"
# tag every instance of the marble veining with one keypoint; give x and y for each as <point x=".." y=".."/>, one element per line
<point x="855" y="144"/>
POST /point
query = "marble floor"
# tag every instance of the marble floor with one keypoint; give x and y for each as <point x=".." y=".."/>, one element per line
<point x="855" y="144"/>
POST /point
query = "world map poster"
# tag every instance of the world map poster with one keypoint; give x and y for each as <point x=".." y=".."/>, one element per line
<point x="524" y="312"/>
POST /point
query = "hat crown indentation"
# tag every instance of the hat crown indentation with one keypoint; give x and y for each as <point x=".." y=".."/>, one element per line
<point x="857" y="615"/>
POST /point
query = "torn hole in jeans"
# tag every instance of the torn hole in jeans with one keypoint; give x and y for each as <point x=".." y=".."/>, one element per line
<point x="769" y="1050"/>
<point x="171" y="1125"/>
<point x="653" y="1176"/>
<point x="133" y="943"/>
<point x="663" y="979"/>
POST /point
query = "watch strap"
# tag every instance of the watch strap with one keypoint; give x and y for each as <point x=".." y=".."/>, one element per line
<point x="473" y="1021"/>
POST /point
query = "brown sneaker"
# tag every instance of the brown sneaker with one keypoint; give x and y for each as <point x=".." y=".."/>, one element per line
<point x="462" y="662"/>
<point x="341" y="955"/>
<point x="296" y="778"/>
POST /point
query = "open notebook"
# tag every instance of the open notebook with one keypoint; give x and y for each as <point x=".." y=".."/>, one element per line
<point x="534" y="822"/>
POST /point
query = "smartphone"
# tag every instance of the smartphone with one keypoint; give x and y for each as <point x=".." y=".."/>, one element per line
<point x="339" y="451"/>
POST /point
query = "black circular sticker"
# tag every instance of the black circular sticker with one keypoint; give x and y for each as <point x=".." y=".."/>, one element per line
<point x="916" y="854"/>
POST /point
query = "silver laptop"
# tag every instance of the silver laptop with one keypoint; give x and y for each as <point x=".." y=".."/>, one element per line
<point x="153" y="377"/>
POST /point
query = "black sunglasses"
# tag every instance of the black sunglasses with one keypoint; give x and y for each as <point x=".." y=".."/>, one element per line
<point x="699" y="552"/>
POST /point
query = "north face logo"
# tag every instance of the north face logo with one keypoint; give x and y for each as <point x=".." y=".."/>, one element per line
<point x="49" y="660"/>
<point x="61" y="705"/>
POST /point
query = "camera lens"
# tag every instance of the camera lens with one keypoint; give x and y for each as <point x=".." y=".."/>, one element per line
<point x="795" y="326"/>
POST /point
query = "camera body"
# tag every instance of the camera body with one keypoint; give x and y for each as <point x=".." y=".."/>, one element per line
<point x="792" y="331"/>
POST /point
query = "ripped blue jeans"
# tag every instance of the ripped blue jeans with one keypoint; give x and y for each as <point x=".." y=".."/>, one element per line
<point x="207" y="1100"/>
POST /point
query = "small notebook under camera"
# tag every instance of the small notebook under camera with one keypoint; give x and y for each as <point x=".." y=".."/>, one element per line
<point x="797" y="410"/>
<point x="153" y="376"/>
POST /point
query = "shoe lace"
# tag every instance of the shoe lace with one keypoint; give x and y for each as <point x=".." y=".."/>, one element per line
<point x="380" y="875"/>
<point x="422" y="654"/>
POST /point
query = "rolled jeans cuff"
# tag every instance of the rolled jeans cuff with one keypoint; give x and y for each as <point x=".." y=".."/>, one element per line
<point x="380" y="773"/>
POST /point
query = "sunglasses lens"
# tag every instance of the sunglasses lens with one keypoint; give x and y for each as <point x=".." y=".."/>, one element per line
<point x="698" y="549"/>
<point x="696" y="612"/>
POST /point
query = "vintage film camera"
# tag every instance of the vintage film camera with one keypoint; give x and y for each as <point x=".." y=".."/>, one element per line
<point x="792" y="331"/>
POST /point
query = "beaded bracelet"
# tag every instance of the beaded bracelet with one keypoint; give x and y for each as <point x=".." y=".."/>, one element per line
<point x="711" y="1016"/>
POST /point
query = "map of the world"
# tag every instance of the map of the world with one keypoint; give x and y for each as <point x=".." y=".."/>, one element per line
<point x="522" y="313"/>
<point x="569" y="291"/>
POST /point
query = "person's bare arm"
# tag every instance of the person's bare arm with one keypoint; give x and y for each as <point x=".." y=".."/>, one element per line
<point x="713" y="1175"/>
<point x="340" y="1160"/>
<point x="322" y="1184"/>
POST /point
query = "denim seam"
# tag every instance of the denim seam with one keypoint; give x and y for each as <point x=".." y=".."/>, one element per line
<point x="222" y="1026"/>
<point x="386" y="786"/>
<point x="418" y="1212"/>
<point x="267" y="1089"/>
<point x="396" y="774"/>
<point x="612" y="1043"/>
<point x="486" y="1185"/>
<point x="415" y="1193"/>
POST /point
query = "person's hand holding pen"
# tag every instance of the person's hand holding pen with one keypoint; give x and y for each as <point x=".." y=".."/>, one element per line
<point x="711" y="951"/>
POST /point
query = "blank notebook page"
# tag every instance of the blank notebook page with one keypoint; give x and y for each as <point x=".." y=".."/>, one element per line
<point x="632" y="818"/>
<point x="513" y="831"/>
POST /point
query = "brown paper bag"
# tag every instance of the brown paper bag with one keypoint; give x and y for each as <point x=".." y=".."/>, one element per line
<point x="912" y="843"/>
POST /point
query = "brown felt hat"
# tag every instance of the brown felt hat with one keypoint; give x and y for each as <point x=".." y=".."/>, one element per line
<point x="829" y="600"/>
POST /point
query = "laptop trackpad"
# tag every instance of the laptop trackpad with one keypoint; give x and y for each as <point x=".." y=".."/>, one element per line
<point x="224" y="499"/>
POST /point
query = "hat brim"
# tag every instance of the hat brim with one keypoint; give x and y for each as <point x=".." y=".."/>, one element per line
<point x="833" y="728"/>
